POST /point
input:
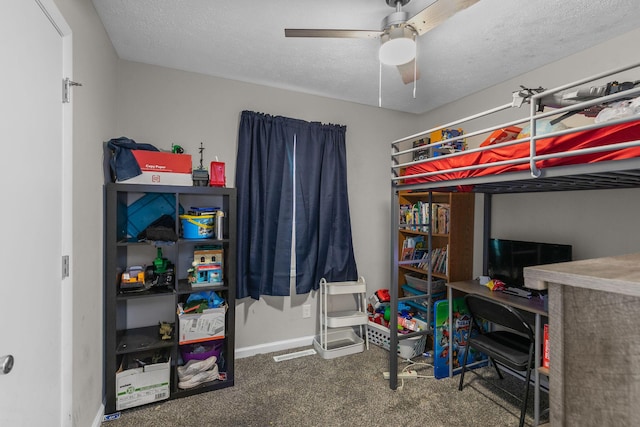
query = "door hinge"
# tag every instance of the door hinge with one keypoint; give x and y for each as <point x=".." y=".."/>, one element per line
<point x="66" y="89"/>
<point x="65" y="266"/>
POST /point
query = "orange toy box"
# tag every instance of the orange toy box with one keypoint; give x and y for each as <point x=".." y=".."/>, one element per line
<point x="159" y="167"/>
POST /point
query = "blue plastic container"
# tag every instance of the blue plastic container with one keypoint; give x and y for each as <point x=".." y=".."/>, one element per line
<point x="148" y="208"/>
<point x="197" y="226"/>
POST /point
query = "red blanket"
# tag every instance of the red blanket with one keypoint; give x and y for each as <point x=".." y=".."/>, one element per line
<point x="585" y="139"/>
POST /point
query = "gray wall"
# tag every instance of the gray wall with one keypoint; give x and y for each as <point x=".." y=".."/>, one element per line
<point x="163" y="106"/>
<point x="596" y="223"/>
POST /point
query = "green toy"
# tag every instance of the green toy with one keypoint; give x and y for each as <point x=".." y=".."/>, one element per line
<point x="160" y="264"/>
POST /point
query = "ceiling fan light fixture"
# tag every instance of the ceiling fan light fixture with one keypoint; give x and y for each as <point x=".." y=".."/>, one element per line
<point x="398" y="46"/>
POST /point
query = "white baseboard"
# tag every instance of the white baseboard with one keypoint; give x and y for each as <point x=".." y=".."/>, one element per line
<point x="97" y="421"/>
<point x="273" y="346"/>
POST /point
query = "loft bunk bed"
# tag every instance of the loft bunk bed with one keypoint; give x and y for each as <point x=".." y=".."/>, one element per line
<point x="602" y="154"/>
<point x="531" y="153"/>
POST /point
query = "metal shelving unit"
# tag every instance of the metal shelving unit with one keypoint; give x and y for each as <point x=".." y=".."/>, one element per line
<point x="337" y="337"/>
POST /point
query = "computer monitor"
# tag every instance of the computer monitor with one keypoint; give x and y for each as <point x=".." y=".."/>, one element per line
<point x="507" y="258"/>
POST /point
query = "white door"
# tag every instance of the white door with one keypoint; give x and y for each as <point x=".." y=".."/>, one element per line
<point x="33" y="233"/>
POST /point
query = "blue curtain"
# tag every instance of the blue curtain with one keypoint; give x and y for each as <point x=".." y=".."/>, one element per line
<point x="268" y="148"/>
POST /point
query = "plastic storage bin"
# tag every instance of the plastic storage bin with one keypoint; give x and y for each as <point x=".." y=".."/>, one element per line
<point x="437" y="285"/>
<point x="201" y="351"/>
<point x="197" y="226"/>
<point x="407" y="348"/>
<point x="145" y="210"/>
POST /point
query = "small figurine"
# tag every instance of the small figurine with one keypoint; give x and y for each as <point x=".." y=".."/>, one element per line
<point x="165" y="330"/>
<point x="200" y="174"/>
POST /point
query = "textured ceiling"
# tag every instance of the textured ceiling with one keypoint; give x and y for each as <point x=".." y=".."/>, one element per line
<point x="491" y="41"/>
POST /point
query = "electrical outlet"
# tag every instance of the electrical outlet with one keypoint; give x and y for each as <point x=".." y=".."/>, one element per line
<point x="306" y="311"/>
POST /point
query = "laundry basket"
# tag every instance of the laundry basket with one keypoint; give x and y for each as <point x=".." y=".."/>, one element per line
<point x="407" y="348"/>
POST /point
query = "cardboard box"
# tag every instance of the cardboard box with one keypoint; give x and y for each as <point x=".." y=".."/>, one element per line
<point x="135" y="387"/>
<point x="162" y="168"/>
<point x="203" y="326"/>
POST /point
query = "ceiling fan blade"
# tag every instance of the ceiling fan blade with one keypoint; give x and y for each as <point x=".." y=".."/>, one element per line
<point x="406" y="72"/>
<point x="436" y="13"/>
<point x="353" y="34"/>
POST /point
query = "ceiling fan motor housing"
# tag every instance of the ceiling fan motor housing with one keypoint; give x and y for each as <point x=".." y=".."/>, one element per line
<point x="393" y="3"/>
<point x="395" y="18"/>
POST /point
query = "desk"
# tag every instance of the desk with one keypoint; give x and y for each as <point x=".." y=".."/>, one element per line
<point x="594" y="340"/>
<point x="535" y="306"/>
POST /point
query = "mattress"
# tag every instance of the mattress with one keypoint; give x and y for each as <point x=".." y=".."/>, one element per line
<point x="613" y="134"/>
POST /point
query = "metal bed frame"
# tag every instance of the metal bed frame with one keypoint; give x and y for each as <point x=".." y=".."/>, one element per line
<point x="613" y="174"/>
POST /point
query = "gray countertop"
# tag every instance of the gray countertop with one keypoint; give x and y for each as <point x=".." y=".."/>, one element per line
<point x="618" y="274"/>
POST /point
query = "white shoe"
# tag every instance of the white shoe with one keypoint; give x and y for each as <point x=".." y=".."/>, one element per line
<point x="200" y="378"/>
<point x="193" y="366"/>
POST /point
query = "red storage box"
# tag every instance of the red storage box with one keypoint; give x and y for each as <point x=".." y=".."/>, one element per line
<point x="159" y="167"/>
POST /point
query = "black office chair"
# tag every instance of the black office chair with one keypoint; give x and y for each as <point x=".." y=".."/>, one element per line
<point x="513" y="348"/>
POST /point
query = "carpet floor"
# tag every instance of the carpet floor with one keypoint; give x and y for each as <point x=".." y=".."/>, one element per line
<point x="345" y="391"/>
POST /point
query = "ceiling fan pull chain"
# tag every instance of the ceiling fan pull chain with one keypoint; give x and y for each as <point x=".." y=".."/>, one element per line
<point x="415" y="72"/>
<point x="380" y="86"/>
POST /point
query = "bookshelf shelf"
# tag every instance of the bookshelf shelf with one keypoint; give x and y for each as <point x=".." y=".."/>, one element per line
<point x="421" y="233"/>
<point x="409" y="268"/>
<point x="451" y="237"/>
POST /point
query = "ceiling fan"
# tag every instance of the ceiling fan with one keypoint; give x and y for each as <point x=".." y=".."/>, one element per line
<point x="398" y="33"/>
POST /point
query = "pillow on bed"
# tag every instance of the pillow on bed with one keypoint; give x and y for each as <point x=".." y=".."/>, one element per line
<point x="542" y="127"/>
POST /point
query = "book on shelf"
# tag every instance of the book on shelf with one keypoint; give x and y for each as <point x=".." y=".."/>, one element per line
<point x="440" y="217"/>
<point x="545" y="347"/>
<point x="424" y="217"/>
<point x="420" y="253"/>
<point x="423" y="260"/>
<point x="413" y="249"/>
<point x="408" y="246"/>
<point x="418" y="217"/>
<point x="441" y="266"/>
<point x="414" y="216"/>
<point x="407" y="254"/>
<point x="405" y="215"/>
<point x="436" y="259"/>
<point x="419" y="243"/>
